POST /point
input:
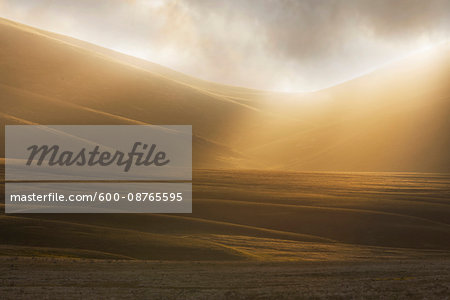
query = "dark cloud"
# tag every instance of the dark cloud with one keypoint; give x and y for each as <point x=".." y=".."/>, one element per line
<point x="301" y="29"/>
<point x="272" y="44"/>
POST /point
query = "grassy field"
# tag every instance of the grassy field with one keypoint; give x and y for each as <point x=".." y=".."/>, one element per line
<point x="262" y="215"/>
<point x="261" y="235"/>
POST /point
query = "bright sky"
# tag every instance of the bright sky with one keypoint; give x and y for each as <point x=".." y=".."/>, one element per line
<point x="283" y="45"/>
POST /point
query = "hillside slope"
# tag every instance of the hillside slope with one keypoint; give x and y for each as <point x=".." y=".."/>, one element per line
<point x="46" y="81"/>
<point x="394" y="119"/>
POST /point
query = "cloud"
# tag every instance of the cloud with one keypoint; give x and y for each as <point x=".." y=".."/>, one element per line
<point x="304" y="29"/>
<point x="267" y="44"/>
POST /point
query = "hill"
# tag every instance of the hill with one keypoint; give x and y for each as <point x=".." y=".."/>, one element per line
<point x="394" y="119"/>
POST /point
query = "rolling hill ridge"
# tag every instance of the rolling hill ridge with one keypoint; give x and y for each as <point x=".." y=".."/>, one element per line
<point x="394" y="119"/>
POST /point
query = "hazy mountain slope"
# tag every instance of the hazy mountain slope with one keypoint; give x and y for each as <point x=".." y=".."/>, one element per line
<point x="245" y="95"/>
<point x="45" y="81"/>
<point x="394" y="119"/>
